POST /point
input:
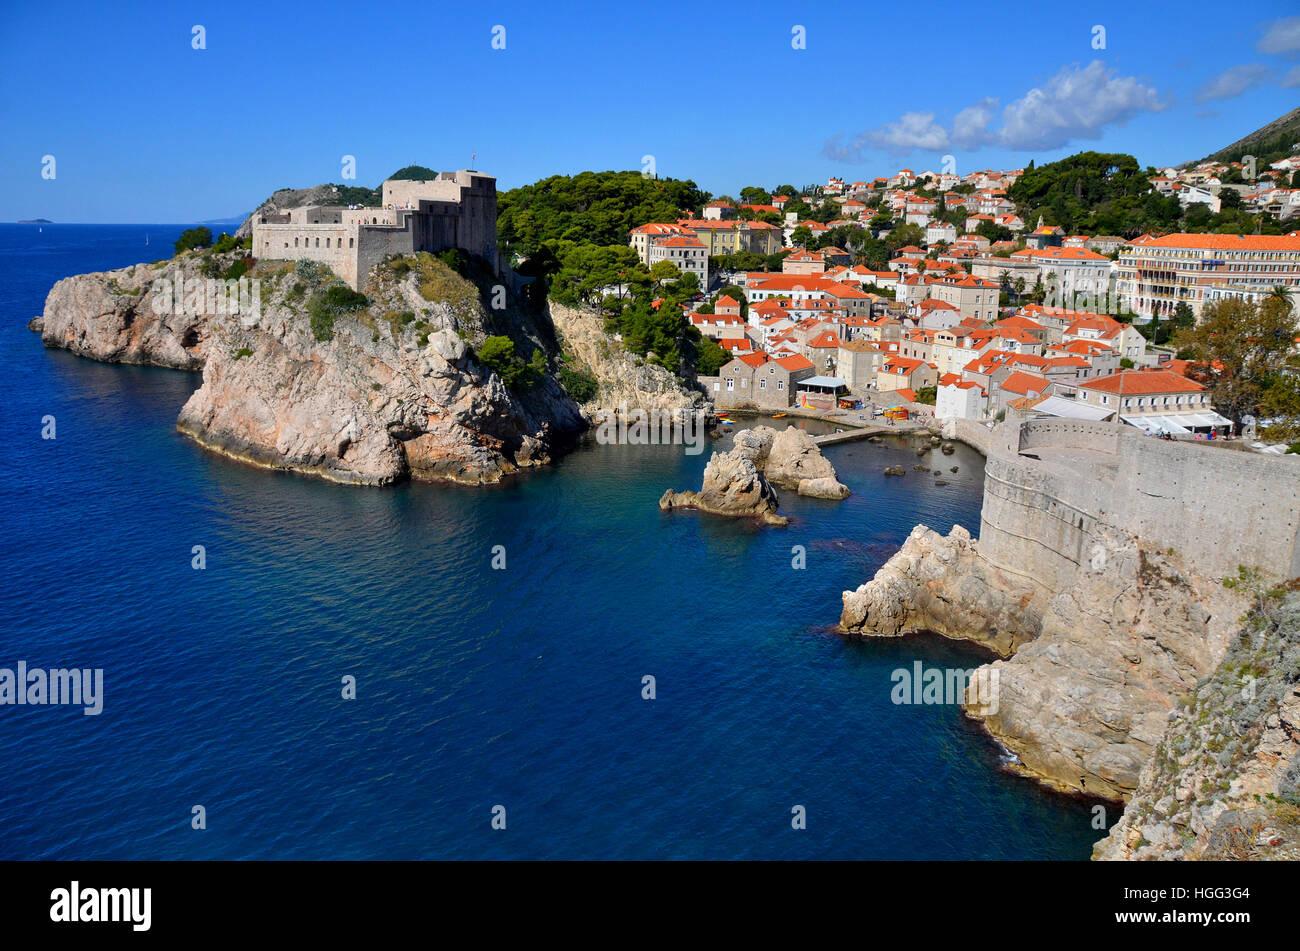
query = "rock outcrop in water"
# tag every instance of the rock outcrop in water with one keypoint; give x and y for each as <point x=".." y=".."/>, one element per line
<point x="389" y="391"/>
<point x="1090" y="672"/>
<point x="794" y="461"/>
<point x="733" y="486"/>
<point x="739" y="482"/>
<point x="110" y="316"/>
<point x="940" y="584"/>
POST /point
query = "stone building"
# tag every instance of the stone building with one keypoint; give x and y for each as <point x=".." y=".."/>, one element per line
<point x="454" y="210"/>
<point x="756" y="382"/>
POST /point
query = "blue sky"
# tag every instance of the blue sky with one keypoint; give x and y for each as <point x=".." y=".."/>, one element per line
<point x="145" y="128"/>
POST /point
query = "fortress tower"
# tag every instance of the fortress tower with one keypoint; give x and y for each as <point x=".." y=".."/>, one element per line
<point x="454" y="210"/>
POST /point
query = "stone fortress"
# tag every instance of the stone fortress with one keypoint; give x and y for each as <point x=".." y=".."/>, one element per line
<point x="1052" y="489"/>
<point x="454" y="210"/>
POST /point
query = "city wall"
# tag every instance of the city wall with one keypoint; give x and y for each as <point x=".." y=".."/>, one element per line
<point x="1057" y="492"/>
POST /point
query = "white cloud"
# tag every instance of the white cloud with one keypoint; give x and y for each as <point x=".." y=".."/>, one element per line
<point x="1281" y="36"/>
<point x="1233" y="82"/>
<point x="1292" y="79"/>
<point x="1076" y="103"/>
<point x="970" y="127"/>
<point x="913" y="130"/>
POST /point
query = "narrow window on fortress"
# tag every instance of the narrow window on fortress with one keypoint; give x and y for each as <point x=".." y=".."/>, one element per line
<point x="350" y="241"/>
<point x="327" y="242"/>
<point x="295" y="242"/>
<point x="318" y="242"/>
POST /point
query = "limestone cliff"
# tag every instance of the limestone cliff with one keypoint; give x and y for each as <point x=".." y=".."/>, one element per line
<point x="1098" y="578"/>
<point x="369" y="395"/>
<point x="110" y="316"/>
<point x="1224" y="780"/>
<point x="1091" y="668"/>
<point x="625" y="379"/>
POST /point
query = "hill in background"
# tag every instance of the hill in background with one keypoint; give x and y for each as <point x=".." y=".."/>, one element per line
<point x="1267" y="143"/>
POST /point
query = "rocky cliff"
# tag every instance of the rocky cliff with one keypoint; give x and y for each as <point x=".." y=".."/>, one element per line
<point x="369" y="395"/>
<point x="1224" y="780"/>
<point x="1091" y="669"/>
<point x="625" y="380"/>
<point x="111" y="316"/>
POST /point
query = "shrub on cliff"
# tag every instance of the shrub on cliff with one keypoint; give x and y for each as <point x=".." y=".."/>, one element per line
<point x="327" y="306"/>
<point x="225" y="243"/>
<point x="438" y="282"/>
<point x="580" y="387"/>
<point x="193" y="238"/>
<point x="498" y="355"/>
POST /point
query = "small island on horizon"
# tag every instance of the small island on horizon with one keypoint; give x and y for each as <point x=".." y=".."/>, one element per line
<point x="35" y="221"/>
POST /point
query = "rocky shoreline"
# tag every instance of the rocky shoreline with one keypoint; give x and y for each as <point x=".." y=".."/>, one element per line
<point x="390" y="391"/>
<point x="1096" y="661"/>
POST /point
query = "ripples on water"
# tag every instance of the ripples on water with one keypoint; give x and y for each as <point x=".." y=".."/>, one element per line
<point x="475" y="687"/>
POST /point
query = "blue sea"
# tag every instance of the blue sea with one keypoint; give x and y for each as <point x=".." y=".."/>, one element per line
<point x="475" y="687"/>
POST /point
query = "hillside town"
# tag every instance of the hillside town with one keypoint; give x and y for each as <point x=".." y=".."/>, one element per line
<point x="983" y="315"/>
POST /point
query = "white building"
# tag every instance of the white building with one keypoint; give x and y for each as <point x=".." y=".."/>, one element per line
<point x="960" y="400"/>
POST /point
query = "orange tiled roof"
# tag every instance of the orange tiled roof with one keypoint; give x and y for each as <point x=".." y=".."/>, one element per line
<point x="1143" y="382"/>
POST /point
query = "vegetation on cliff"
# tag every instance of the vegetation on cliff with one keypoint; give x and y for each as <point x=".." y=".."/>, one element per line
<point x="1224" y="781"/>
<point x="193" y="238"/>
<point x="591" y="208"/>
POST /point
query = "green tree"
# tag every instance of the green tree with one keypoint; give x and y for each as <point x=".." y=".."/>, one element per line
<point x="662" y="271"/>
<point x="1242" y="348"/>
<point x="586" y="270"/>
<point x="580" y="387"/>
<point x="498" y="355"/>
<point x="191" y="238"/>
<point x="709" y="357"/>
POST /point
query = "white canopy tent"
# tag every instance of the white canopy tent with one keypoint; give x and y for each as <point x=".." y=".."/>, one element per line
<point x="1178" y="424"/>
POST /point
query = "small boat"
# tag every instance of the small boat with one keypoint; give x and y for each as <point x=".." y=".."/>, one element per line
<point x="780" y="415"/>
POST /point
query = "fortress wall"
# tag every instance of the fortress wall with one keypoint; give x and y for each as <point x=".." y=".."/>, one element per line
<point x="276" y="242"/>
<point x="1040" y="522"/>
<point x="1217" y="508"/>
<point x="972" y="433"/>
<point x="377" y="242"/>
<point x="1067" y="433"/>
